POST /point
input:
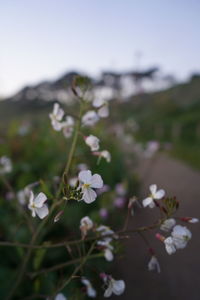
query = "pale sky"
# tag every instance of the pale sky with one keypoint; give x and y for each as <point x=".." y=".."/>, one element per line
<point x="42" y="39"/>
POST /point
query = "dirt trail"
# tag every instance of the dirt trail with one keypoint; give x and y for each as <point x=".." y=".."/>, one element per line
<point x="180" y="272"/>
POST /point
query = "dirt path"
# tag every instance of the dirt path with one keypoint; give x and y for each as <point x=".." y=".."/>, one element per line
<point x="180" y="276"/>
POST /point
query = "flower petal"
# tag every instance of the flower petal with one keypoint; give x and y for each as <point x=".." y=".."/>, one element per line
<point x="153" y="188"/>
<point x="89" y="195"/>
<point x="108" y="255"/>
<point x="108" y="291"/>
<point x="147" y="201"/>
<point x="159" y="194"/>
<point x="96" y="181"/>
<point x="42" y="212"/>
<point x="85" y="176"/>
<point x="40" y="199"/>
<point x="118" y="287"/>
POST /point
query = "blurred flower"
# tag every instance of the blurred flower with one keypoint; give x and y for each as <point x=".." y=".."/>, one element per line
<point x="5" y="165"/>
<point x="67" y="126"/>
<point x="116" y="287"/>
<point x="90" y="181"/>
<point x="151" y="149"/>
<point x="105" y="154"/>
<point x="169" y="245"/>
<point x="154" y="195"/>
<point x="60" y="296"/>
<point x="90" y="118"/>
<point x="85" y="225"/>
<point x="103" y="212"/>
<point x="102" y="105"/>
<point x="91" y="292"/>
<point x="93" y="142"/>
<point x="73" y="181"/>
<point x="56" y="117"/>
<point x="153" y="264"/>
<point x="120" y="189"/>
<point x="107" y="249"/>
<point x="119" y="202"/>
<point x="168" y="224"/>
<point x="190" y="220"/>
<point x="37" y="205"/>
<point x="82" y="167"/>
<point x="106" y="233"/>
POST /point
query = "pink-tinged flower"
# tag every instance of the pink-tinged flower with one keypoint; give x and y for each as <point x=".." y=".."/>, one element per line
<point x="119" y="202"/>
<point x="103" y="212"/>
<point x="113" y="286"/>
<point x="93" y="142"/>
<point x="5" y="165"/>
<point x="168" y="224"/>
<point x="56" y="117"/>
<point x="153" y="264"/>
<point x="90" y="118"/>
<point x="120" y="189"/>
<point x="68" y="126"/>
<point x="91" y="292"/>
<point x="37" y="205"/>
<point x="86" y="224"/>
<point x="88" y="182"/>
<point x="155" y="194"/>
<point x="190" y="220"/>
<point x="60" y="296"/>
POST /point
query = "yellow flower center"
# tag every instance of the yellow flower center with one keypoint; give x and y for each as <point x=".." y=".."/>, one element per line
<point x="86" y="185"/>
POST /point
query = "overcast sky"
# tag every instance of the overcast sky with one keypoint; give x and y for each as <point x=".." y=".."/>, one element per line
<point x="42" y="39"/>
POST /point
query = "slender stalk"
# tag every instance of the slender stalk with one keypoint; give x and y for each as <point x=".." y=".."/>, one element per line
<point x="75" y="242"/>
<point x="22" y="270"/>
<point x="63" y="265"/>
<point x="76" y="270"/>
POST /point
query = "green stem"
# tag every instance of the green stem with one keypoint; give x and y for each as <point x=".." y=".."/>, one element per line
<point x="63" y="265"/>
<point x="76" y="270"/>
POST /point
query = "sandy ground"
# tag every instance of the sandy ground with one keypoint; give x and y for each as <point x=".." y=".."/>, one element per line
<point x="180" y="272"/>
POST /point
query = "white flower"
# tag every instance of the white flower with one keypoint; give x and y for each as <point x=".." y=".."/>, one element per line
<point x="90" y="118"/>
<point x="103" y="110"/>
<point x="106" y="233"/>
<point x="181" y="235"/>
<point x="116" y="287"/>
<point x="56" y="117"/>
<point x="155" y="194"/>
<point x="60" y="296"/>
<point x="37" y="205"/>
<point x="93" y="142"/>
<point x="107" y="249"/>
<point x="169" y="245"/>
<point x="85" y="225"/>
<point x="91" y="292"/>
<point x="90" y="181"/>
<point x="5" y="165"/>
<point x="154" y="264"/>
<point x="105" y="154"/>
<point x="73" y="181"/>
<point x="67" y="126"/>
<point x="168" y="224"/>
<point x="193" y="220"/>
<point x="23" y="195"/>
